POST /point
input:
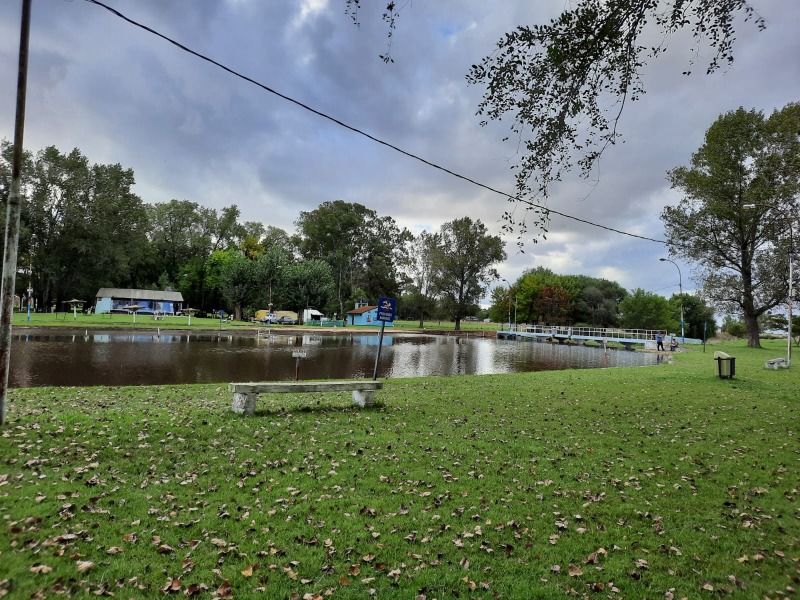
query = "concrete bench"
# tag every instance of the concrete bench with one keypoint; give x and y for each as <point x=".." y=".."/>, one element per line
<point x="776" y="363"/>
<point x="245" y="394"/>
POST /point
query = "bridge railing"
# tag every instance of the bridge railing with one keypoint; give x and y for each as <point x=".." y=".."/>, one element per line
<point x="609" y="333"/>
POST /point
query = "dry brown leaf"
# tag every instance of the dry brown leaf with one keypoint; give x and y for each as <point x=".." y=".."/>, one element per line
<point x="225" y="590"/>
<point x="84" y="565"/>
<point x="40" y="569"/>
<point x="574" y="571"/>
<point x="173" y="585"/>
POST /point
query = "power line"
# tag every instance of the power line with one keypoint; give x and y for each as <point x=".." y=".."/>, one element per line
<point x="364" y="133"/>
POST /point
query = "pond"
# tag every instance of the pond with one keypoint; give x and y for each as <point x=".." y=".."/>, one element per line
<point x="119" y="358"/>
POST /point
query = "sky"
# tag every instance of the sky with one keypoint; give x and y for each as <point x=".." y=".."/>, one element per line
<point x="191" y="131"/>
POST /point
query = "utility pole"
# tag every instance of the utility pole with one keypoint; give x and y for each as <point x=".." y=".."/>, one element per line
<point x="13" y="212"/>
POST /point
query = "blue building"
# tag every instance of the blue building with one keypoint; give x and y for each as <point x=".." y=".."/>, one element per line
<point x="364" y="315"/>
<point x="117" y="300"/>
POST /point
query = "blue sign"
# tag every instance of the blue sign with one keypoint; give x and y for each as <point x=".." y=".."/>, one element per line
<point x="387" y="307"/>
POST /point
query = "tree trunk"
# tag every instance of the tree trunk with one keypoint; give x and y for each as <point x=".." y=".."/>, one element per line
<point x="753" y="338"/>
<point x="458" y="324"/>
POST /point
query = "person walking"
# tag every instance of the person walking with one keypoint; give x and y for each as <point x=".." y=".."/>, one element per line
<point x="659" y="342"/>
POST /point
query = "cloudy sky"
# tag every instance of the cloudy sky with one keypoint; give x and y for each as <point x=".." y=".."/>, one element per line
<point x="189" y="130"/>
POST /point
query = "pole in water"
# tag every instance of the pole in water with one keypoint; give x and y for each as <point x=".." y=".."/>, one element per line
<point x="378" y="356"/>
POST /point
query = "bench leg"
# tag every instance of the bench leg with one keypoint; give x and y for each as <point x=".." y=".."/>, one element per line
<point x="244" y="404"/>
<point x="363" y="398"/>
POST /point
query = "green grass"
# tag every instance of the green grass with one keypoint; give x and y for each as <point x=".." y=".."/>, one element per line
<point x="109" y="321"/>
<point x="654" y="482"/>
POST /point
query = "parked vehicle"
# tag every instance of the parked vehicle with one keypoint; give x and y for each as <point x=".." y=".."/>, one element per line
<point x="286" y="321"/>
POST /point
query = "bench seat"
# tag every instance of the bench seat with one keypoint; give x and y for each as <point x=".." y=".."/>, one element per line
<point x="246" y="394"/>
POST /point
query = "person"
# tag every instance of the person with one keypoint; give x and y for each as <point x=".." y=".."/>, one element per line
<point x="673" y="344"/>
<point x="659" y="342"/>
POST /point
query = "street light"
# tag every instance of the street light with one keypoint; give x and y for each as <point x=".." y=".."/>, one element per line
<point x="30" y="300"/>
<point x="680" y="287"/>
<point x="508" y="299"/>
<point x="271" y="277"/>
<point x="786" y="215"/>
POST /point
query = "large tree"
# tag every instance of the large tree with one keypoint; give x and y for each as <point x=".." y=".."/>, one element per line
<point x="739" y="208"/>
<point x="463" y="262"/>
<point x="419" y="298"/>
<point x="82" y="228"/>
<point x="363" y="249"/>
<point x="307" y="284"/>
<point x="645" y="310"/>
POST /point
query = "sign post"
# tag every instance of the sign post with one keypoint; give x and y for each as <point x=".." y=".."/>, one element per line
<point x="297" y="355"/>
<point x="387" y="307"/>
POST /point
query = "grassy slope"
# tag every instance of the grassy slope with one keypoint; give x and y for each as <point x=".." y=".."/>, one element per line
<point x="649" y="481"/>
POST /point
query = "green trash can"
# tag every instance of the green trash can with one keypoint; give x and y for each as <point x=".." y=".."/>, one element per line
<point x="726" y="365"/>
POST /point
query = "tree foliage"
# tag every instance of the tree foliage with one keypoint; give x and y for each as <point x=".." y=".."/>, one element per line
<point x="463" y="257"/>
<point x="645" y="310"/>
<point x="82" y="228"/>
<point x="363" y="249"/>
<point x="536" y="297"/>
<point x="738" y="211"/>
<point x="564" y="84"/>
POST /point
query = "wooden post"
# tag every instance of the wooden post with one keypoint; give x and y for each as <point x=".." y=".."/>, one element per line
<point x="13" y="211"/>
<point x="378" y="356"/>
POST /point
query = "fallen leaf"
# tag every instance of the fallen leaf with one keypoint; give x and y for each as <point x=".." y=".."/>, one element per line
<point x="173" y="585"/>
<point x="225" y="590"/>
<point x="84" y="565"/>
<point x="40" y="569"/>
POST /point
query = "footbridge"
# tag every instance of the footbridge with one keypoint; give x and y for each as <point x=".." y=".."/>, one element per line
<point x="601" y="335"/>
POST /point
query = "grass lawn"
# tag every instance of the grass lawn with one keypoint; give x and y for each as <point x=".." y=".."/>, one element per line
<point x="652" y="482"/>
<point x="109" y="321"/>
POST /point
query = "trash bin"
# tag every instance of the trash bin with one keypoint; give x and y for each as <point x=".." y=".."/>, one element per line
<point x="726" y="365"/>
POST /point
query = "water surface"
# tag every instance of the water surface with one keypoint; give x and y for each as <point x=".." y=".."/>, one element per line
<point x="117" y="358"/>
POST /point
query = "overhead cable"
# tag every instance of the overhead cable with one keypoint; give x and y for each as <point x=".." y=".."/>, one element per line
<point x="363" y="133"/>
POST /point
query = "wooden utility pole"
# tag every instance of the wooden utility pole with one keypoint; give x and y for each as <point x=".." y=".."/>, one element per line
<point x="13" y="212"/>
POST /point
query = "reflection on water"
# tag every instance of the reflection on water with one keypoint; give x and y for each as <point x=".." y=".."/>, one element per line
<point x="108" y="358"/>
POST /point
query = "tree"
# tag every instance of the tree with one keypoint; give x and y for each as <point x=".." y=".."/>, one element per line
<point x="698" y="317"/>
<point x="462" y="261"/>
<point x="645" y="310"/>
<point x="741" y="184"/>
<point x="420" y="299"/>
<point x="184" y="235"/>
<point x="363" y="249"/>
<point x="237" y="280"/>
<point x="308" y="284"/>
<point x="82" y="227"/>
<point x="555" y="80"/>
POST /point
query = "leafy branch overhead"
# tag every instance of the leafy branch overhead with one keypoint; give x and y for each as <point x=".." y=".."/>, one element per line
<point x="555" y="81"/>
<point x="565" y="84"/>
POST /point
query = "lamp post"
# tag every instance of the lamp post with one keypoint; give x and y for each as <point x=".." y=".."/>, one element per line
<point x="271" y="277"/>
<point x="788" y="217"/>
<point x="508" y="299"/>
<point x="680" y="288"/>
<point x="30" y="300"/>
